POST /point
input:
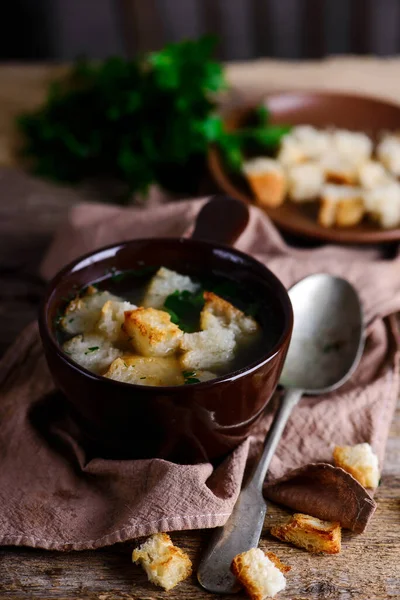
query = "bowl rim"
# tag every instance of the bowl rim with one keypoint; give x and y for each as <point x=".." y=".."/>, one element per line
<point x="47" y="335"/>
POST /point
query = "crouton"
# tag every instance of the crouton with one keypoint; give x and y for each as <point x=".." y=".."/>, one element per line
<point x="207" y="349"/>
<point x="151" y="332"/>
<point x="383" y="204"/>
<point x="360" y="461"/>
<point x="338" y="169"/>
<point x="91" y="351"/>
<point x="218" y="312"/>
<point x="313" y="142"/>
<point x="260" y="576"/>
<point x="83" y="312"/>
<point x="267" y="180"/>
<point x="310" y="533"/>
<point x="372" y="174"/>
<point x="112" y="316"/>
<point x="352" y="146"/>
<point x="305" y="181"/>
<point x="388" y="152"/>
<point x="149" y="370"/>
<point x="290" y="152"/>
<point x="341" y="205"/>
<point x="164" y="283"/>
<point x="165" y="565"/>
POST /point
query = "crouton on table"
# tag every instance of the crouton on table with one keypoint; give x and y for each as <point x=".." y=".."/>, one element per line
<point x="310" y="533"/>
<point x="360" y="461"/>
<point x="260" y="574"/>
<point x="166" y="565"/>
<point x="151" y="332"/>
<point x="267" y="180"/>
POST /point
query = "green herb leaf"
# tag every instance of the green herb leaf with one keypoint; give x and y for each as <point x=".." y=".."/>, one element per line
<point x="191" y="380"/>
<point x="184" y="308"/>
<point x="92" y="349"/>
<point x="263" y="114"/>
<point x="142" y="377"/>
<point x="190" y="377"/>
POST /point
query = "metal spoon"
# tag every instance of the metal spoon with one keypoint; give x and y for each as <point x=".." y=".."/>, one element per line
<point x="326" y="346"/>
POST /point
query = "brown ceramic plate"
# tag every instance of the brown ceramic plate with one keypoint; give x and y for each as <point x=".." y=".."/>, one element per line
<point x="321" y="109"/>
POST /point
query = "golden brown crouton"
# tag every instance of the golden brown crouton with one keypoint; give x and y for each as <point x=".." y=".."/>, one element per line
<point x="360" y="461"/>
<point x="310" y="533"/>
<point x="165" y="564"/>
<point x="112" y="316"/>
<point x="261" y="575"/>
<point x="83" y="312"/>
<point x="218" y="312"/>
<point x="339" y="170"/>
<point x="267" y="180"/>
<point x="151" y="332"/>
<point x="146" y="370"/>
<point x="341" y="205"/>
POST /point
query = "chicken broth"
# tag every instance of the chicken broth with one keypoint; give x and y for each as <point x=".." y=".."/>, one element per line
<point x="153" y="326"/>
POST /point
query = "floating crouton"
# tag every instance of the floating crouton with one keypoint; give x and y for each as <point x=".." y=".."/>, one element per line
<point x="218" y="312"/>
<point x="341" y="205"/>
<point x="112" y="316"/>
<point x="151" y="332"/>
<point x="388" y="152"/>
<point x="352" y="146"/>
<point x="305" y="181"/>
<point x="146" y="370"/>
<point x="165" y="565"/>
<point x="383" y="204"/>
<point x="207" y="349"/>
<point x="372" y="174"/>
<point x="91" y="351"/>
<point x="267" y="180"/>
<point x="310" y="533"/>
<point x="83" y="312"/>
<point x="360" y="461"/>
<point x="338" y="169"/>
<point x="260" y="576"/>
<point x="164" y="283"/>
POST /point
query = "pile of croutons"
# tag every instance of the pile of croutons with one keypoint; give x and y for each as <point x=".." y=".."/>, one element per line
<point x="262" y="574"/>
<point x="141" y="345"/>
<point x="342" y="170"/>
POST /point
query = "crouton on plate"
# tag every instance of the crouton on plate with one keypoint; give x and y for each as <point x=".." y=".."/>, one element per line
<point x="388" y="152"/>
<point x="151" y="332"/>
<point x="164" y="283"/>
<point x="165" y="565"/>
<point x="383" y="204"/>
<point x="310" y="533"/>
<point x="338" y="169"/>
<point x="372" y="174"/>
<point x="260" y="574"/>
<point x="354" y="146"/>
<point x="360" y="461"/>
<point x="305" y="181"/>
<point x="341" y="205"/>
<point x="146" y="370"/>
<point x="218" y="312"/>
<point x="83" y="312"/>
<point x="112" y="316"/>
<point x="267" y="180"/>
<point x="91" y="351"/>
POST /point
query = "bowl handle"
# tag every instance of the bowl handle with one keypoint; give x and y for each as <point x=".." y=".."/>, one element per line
<point x="221" y="220"/>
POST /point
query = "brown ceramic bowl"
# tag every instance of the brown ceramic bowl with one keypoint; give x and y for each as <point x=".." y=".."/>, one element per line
<point x="188" y="423"/>
<point x="320" y="109"/>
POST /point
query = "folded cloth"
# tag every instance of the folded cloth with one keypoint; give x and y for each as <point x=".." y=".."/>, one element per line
<point x="53" y="495"/>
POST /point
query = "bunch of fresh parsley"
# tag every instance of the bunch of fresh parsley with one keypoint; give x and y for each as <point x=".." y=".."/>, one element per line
<point x="136" y="122"/>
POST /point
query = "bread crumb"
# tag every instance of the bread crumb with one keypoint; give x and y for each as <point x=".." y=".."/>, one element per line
<point x="310" y="533"/>
<point x="261" y="575"/>
<point x="165" y="565"/>
<point x="360" y="461"/>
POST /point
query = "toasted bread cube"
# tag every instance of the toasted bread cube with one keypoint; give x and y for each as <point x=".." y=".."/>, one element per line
<point x="360" y="461"/>
<point x="149" y="370"/>
<point x="305" y="181"/>
<point x="303" y="143"/>
<point x="218" y="312"/>
<point x="83" y="312"/>
<point x="372" y="174"/>
<point x="258" y="574"/>
<point x="383" y="204"/>
<point x="388" y="152"/>
<point x="164" y="283"/>
<point x="151" y="332"/>
<point x="338" y="169"/>
<point x="207" y="349"/>
<point x="290" y="152"/>
<point x="352" y="146"/>
<point x="310" y="533"/>
<point x="165" y="565"/>
<point x="267" y="180"/>
<point x="340" y="205"/>
<point x="112" y="317"/>
<point x="92" y="351"/>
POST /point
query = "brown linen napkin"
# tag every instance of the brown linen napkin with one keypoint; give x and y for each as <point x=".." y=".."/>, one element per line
<point x="53" y="495"/>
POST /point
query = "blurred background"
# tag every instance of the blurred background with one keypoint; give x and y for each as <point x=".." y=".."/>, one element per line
<point x="59" y="30"/>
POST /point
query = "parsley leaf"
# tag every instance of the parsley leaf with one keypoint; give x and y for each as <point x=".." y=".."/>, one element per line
<point x="184" y="308"/>
<point x="92" y="349"/>
<point x="190" y="377"/>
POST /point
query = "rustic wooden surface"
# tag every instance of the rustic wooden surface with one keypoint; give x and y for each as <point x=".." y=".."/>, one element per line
<point x="368" y="567"/>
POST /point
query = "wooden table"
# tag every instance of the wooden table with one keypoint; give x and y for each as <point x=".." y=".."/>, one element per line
<point x="368" y="567"/>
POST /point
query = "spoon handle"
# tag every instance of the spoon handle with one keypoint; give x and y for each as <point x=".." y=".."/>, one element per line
<point x="243" y="529"/>
<point x="289" y="400"/>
